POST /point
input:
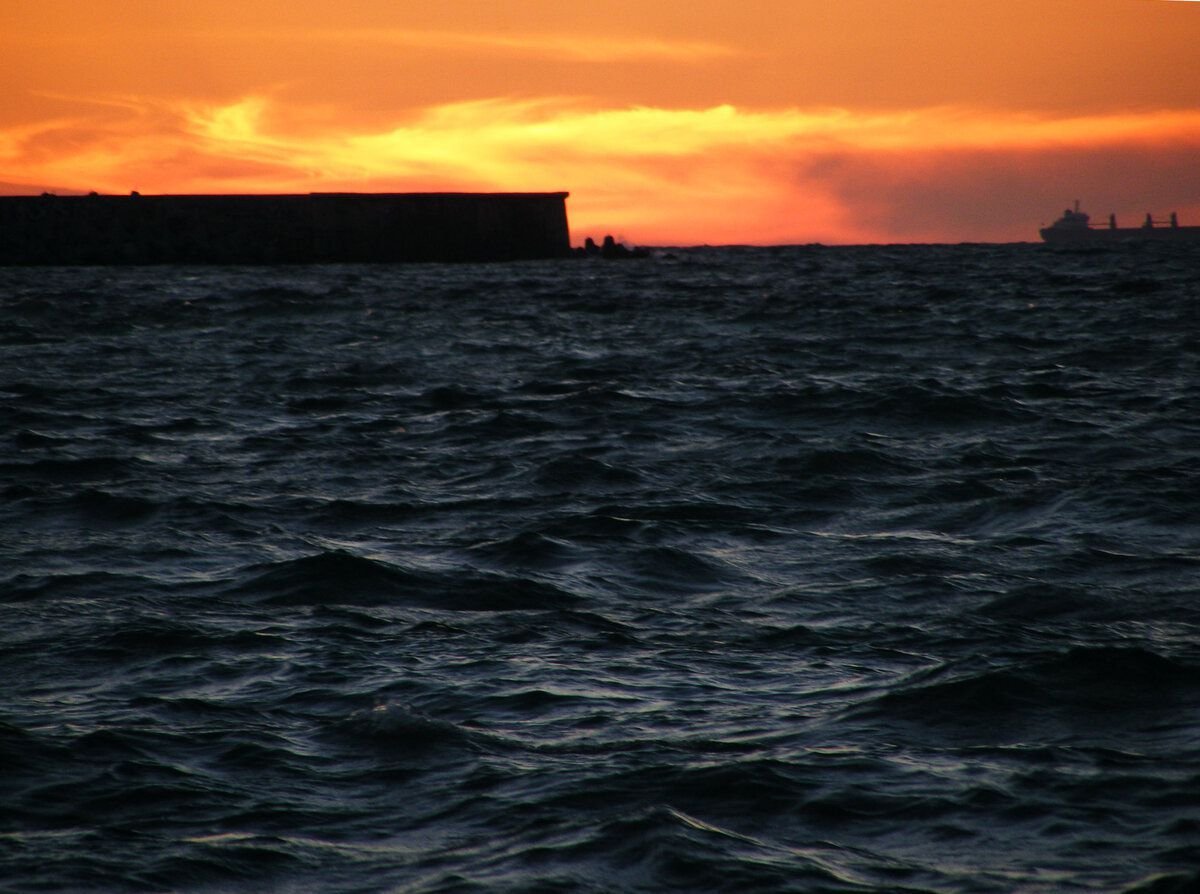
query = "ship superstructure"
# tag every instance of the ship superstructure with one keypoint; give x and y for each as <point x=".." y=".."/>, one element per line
<point x="1075" y="227"/>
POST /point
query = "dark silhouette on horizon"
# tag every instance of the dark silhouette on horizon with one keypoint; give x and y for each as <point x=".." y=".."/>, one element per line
<point x="282" y="229"/>
<point x="611" y="250"/>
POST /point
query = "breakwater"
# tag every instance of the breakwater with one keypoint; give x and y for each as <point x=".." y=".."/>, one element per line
<point x="282" y="229"/>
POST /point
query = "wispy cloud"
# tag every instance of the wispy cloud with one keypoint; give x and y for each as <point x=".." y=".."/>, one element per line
<point x="570" y="47"/>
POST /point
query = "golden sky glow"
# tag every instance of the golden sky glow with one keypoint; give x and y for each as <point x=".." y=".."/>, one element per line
<point x="761" y="121"/>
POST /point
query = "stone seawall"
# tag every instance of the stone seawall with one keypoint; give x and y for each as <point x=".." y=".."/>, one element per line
<point x="283" y="229"/>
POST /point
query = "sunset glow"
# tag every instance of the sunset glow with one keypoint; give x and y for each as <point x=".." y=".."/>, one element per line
<point x="718" y="124"/>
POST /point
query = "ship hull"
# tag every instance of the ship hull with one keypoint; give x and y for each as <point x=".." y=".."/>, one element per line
<point x="1110" y="236"/>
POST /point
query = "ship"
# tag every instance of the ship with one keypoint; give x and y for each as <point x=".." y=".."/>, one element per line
<point x="313" y="228"/>
<point x="1075" y="228"/>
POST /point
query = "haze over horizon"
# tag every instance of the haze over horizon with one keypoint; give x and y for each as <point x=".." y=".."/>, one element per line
<point x="681" y="123"/>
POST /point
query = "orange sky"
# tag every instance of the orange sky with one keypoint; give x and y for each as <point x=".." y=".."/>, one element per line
<point x="670" y="122"/>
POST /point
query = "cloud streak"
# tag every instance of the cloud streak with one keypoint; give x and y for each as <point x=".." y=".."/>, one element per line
<point x="655" y="175"/>
<point x="565" y="47"/>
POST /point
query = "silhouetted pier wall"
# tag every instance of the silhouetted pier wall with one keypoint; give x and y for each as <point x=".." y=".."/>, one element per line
<point x="283" y="229"/>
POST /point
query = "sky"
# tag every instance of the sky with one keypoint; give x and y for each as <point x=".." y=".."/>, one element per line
<point x="669" y="122"/>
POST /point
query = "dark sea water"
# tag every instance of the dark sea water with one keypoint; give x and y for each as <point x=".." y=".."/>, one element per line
<point x="802" y="569"/>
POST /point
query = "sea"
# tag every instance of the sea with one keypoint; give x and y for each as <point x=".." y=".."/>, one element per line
<point x="744" y="569"/>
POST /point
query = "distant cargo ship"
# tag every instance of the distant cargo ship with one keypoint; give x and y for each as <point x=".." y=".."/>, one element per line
<point x="309" y="228"/>
<point x="1075" y="228"/>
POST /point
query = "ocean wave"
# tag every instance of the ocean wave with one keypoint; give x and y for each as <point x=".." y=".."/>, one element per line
<point x="342" y="578"/>
<point x="1100" y="693"/>
<point x="809" y="568"/>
